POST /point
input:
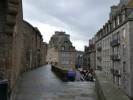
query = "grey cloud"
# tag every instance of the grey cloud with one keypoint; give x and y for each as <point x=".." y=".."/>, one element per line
<point x="83" y="17"/>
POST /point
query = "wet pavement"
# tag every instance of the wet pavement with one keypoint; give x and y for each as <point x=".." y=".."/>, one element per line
<point x="43" y="84"/>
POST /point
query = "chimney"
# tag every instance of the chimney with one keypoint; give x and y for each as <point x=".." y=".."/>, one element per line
<point x="113" y="11"/>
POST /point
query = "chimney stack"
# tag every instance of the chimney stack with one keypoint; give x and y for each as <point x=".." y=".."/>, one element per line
<point x="113" y="11"/>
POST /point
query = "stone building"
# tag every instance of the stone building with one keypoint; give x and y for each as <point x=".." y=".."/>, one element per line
<point x="34" y="50"/>
<point x="44" y="53"/>
<point x="61" y="53"/>
<point x="20" y="48"/>
<point x="86" y="60"/>
<point x="28" y="45"/>
<point x="79" y="59"/>
<point x="92" y="54"/>
<point x="114" y="53"/>
<point x="10" y="41"/>
<point x="89" y="58"/>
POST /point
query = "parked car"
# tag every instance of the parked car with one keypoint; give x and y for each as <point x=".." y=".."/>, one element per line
<point x="71" y="74"/>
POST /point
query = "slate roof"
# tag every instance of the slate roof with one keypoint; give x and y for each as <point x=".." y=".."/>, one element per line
<point x="131" y="15"/>
<point x="60" y="40"/>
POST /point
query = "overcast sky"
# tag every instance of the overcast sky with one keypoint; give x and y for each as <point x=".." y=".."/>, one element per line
<point x="79" y="18"/>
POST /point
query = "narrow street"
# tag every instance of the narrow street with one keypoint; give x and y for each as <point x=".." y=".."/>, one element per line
<point x="43" y="84"/>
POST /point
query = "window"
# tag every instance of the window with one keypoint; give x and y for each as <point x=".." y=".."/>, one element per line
<point x="123" y="16"/>
<point x="118" y="50"/>
<point x="124" y="33"/>
<point x="118" y="20"/>
<point x="108" y="40"/>
<point x="124" y="50"/>
<point x="119" y="81"/>
<point x="115" y="50"/>
<point x="116" y="36"/>
<point x="124" y="66"/>
<point x="108" y="28"/>
<point x="62" y="55"/>
<point x="62" y="61"/>
<point x="115" y="79"/>
<point x="70" y="47"/>
<point x="114" y="24"/>
<point x="70" y="62"/>
<point x="63" y="48"/>
<point x="66" y="62"/>
<point x="105" y="53"/>
<point x="108" y="53"/>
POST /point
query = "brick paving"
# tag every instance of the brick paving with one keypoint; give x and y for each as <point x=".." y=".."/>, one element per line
<point x="43" y="84"/>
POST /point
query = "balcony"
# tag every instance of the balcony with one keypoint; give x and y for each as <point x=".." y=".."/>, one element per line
<point x="115" y="57"/>
<point x="115" y="72"/>
<point x="115" y="42"/>
<point x="99" y="48"/>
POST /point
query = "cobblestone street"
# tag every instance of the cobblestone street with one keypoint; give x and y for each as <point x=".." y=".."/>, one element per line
<point x="43" y="84"/>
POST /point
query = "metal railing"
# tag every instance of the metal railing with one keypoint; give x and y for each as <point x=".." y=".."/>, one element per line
<point x="115" y="42"/>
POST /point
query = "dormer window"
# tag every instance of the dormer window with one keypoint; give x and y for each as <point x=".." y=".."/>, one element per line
<point x="70" y="47"/>
<point x="100" y="36"/>
<point x="104" y="31"/>
<point x="124" y="33"/>
<point x="66" y="41"/>
<point x="123" y="16"/>
<point x="114" y="24"/>
<point x="118" y="20"/>
<point x="63" y="48"/>
<point x="108" y="28"/>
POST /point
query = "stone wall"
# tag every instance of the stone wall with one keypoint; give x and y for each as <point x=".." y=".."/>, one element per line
<point x="10" y="41"/>
<point x="60" y="73"/>
<point x="106" y="90"/>
<point x="15" y="46"/>
<point x="34" y="48"/>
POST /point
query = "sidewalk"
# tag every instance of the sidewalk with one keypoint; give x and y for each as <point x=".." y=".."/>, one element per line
<point x="43" y="84"/>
